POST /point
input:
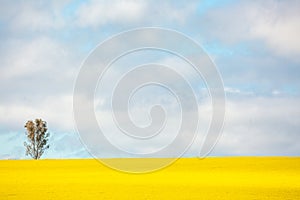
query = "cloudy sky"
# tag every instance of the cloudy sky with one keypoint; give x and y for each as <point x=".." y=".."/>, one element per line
<point x="254" y="44"/>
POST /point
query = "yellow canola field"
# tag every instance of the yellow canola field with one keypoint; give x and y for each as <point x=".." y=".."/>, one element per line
<point x="188" y="178"/>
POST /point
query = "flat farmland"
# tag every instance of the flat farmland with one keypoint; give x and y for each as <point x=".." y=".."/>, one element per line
<point x="187" y="178"/>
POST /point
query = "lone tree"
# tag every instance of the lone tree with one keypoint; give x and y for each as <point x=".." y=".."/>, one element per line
<point x="37" y="136"/>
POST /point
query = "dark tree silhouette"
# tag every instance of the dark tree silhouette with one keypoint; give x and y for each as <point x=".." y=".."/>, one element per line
<point x="37" y="136"/>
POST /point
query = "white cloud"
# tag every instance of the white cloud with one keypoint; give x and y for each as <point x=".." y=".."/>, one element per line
<point x="37" y="78"/>
<point x="97" y="13"/>
<point x="261" y="126"/>
<point x="37" y="69"/>
<point x="56" y="110"/>
<point x="278" y="24"/>
<point x="232" y="90"/>
<point x="275" y="23"/>
<point x="32" y="15"/>
<point x="25" y="57"/>
<point x="142" y="13"/>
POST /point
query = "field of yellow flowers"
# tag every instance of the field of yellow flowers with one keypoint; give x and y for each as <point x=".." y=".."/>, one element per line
<point x="188" y="178"/>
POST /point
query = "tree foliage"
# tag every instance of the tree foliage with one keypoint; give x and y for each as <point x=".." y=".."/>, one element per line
<point x="37" y="137"/>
